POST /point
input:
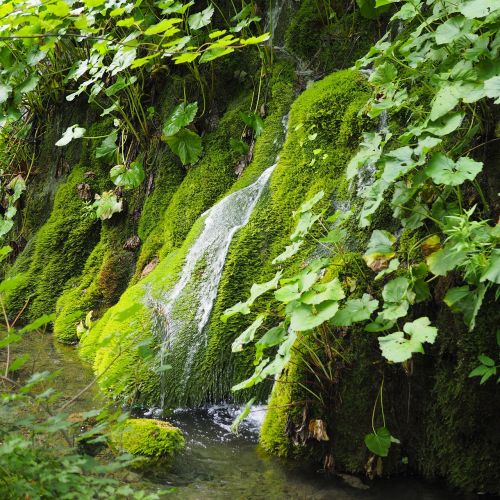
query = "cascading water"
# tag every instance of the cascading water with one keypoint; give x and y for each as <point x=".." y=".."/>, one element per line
<point x="205" y="259"/>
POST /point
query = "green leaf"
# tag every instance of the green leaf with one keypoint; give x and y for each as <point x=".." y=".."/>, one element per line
<point x="369" y="152"/>
<point x="239" y="146"/>
<point x="445" y="100"/>
<point x="304" y="224"/>
<point x="288" y="293"/>
<point x="379" y="442"/>
<point x="9" y="284"/>
<point x="421" y="331"/>
<point x="5" y="91"/>
<point x="395" y="290"/>
<point x="201" y="19"/>
<point x="486" y="360"/>
<point x="289" y="251"/>
<point x="393" y="266"/>
<point x="166" y="26"/>
<point x="186" y="145"/>
<point x="477" y="8"/>
<point x="107" y="204"/>
<point x="310" y="203"/>
<point x="19" y="362"/>
<point x="107" y="146"/>
<point x="492" y="88"/>
<point x="492" y="269"/>
<point x="450" y="30"/>
<point x="383" y="74"/>
<point x="444" y="170"/>
<point x="355" y="310"/>
<point x="128" y="178"/>
<point x="380" y="250"/>
<point x="182" y="116"/>
<point x="445" y="259"/>
<point x="239" y="308"/>
<point x="259" y="289"/>
<point x="243" y="414"/>
<point x="305" y="317"/>
<point x="254" y="121"/>
<point x="323" y="292"/>
<point x="396" y="348"/>
<point x="248" y="335"/>
<point x="39" y="322"/>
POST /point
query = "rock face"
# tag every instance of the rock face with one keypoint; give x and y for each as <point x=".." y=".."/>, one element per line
<point x="123" y="270"/>
<point x="149" y="438"/>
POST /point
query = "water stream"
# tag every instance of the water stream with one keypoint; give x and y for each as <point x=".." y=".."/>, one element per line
<point x="218" y="464"/>
<point x="206" y="256"/>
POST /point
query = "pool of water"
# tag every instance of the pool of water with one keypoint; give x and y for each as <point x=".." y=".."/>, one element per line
<point x="217" y="464"/>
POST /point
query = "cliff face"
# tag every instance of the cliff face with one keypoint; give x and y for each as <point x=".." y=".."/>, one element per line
<point x="124" y="269"/>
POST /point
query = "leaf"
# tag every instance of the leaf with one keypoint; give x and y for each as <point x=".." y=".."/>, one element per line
<point x="492" y="269"/>
<point x="310" y="203"/>
<point x="73" y="132"/>
<point x="395" y="290"/>
<point x="468" y="302"/>
<point x="5" y="91"/>
<point x="380" y="250"/>
<point x="304" y="224"/>
<point x="450" y="30"/>
<point x="355" y="310"/>
<point x="396" y="348"/>
<point x="259" y="289"/>
<point x="271" y="338"/>
<point x="393" y="266"/>
<point x="186" y="145"/>
<point x="254" y="121"/>
<point x="445" y="100"/>
<point x="288" y="293"/>
<point x="106" y="205"/>
<point x="166" y="25"/>
<point x="248" y="335"/>
<point x="39" y="322"/>
<point x="239" y="146"/>
<point x="239" y="308"/>
<point x="201" y="19"/>
<point x="492" y="88"/>
<point x="383" y="74"/>
<point x="444" y="170"/>
<point x="242" y="415"/>
<point x="19" y="362"/>
<point x="477" y="8"/>
<point x="128" y="178"/>
<point x="107" y="146"/>
<point x="323" y="292"/>
<point x="305" y="317"/>
<point x="379" y="442"/>
<point x="289" y="251"/>
<point x="485" y="360"/>
<point x="421" y="331"/>
<point x="9" y="284"/>
<point x="182" y="116"/>
<point x="446" y="259"/>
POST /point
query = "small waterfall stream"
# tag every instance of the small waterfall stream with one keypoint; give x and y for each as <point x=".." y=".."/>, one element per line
<point x="205" y="262"/>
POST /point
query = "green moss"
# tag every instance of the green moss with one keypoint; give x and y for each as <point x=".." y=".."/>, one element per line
<point x="327" y="39"/>
<point x="149" y="438"/>
<point x="57" y="254"/>
<point x="325" y="108"/>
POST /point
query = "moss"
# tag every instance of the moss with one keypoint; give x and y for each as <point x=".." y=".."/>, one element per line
<point x="58" y="252"/>
<point x="324" y="109"/>
<point x="327" y="39"/>
<point x="149" y="438"/>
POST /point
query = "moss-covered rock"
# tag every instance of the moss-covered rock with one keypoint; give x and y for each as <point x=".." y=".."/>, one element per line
<point x="149" y="438"/>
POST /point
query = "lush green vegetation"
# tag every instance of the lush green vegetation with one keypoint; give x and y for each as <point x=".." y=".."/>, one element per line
<point x="360" y="296"/>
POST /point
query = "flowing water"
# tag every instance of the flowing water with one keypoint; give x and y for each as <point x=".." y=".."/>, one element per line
<point x="216" y="463"/>
<point x="206" y="256"/>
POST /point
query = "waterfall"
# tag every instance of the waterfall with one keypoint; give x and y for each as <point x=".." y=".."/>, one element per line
<point x="204" y="262"/>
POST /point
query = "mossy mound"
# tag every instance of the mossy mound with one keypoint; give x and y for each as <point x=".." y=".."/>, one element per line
<point x="149" y="438"/>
